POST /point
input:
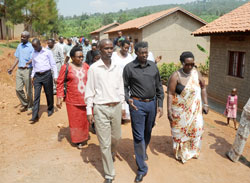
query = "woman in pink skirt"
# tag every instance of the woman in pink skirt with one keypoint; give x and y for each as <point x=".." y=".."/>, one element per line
<point x="231" y="108"/>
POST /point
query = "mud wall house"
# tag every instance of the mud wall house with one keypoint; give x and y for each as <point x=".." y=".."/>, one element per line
<point x="168" y="33"/>
<point x="4" y="31"/>
<point x="13" y="33"/>
<point x="100" y="32"/>
<point x="229" y="54"/>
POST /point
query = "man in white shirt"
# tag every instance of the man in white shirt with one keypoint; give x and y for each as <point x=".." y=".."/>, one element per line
<point x="105" y="94"/>
<point x="61" y="43"/>
<point x="95" y="40"/>
<point x="43" y="63"/>
<point x="58" y="57"/>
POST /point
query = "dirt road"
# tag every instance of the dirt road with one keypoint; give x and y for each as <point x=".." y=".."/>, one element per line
<point x="42" y="153"/>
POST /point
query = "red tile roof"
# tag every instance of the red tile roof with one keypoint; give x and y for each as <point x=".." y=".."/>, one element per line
<point x="104" y="27"/>
<point x="237" y="20"/>
<point x="141" y="22"/>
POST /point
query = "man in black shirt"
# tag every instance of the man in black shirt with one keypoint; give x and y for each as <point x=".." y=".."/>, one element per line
<point x="144" y="93"/>
<point x="89" y="56"/>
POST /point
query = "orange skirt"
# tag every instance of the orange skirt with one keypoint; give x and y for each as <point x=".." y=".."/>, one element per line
<point x="78" y="123"/>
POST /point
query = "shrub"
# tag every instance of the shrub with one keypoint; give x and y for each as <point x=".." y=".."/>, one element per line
<point x="204" y="68"/>
<point x="166" y="70"/>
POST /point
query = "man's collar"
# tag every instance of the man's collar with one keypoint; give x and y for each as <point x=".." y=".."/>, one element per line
<point x="26" y="44"/>
<point x="137" y="63"/>
<point x="102" y="64"/>
<point x="42" y="50"/>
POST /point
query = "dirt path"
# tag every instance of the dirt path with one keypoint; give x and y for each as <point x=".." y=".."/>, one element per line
<point x="42" y="153"/>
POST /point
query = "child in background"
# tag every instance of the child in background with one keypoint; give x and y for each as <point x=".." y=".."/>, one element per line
<point x="231" y="108"/>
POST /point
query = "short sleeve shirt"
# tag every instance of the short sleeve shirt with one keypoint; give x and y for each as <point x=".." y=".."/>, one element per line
<point x="24" y="54"/>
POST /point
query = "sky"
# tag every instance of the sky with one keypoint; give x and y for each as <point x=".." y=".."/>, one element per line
<point x="77" y="7"/>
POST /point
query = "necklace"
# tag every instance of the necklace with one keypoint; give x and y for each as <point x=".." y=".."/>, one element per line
<point x="185" y="74"/>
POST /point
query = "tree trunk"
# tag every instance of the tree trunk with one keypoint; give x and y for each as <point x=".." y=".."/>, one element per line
<point x="7" y="36"/>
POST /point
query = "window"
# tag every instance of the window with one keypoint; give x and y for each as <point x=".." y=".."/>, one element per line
<point x="236" y="64"/>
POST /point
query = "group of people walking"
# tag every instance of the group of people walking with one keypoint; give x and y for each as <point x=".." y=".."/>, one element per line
<point x="104" y="88"/>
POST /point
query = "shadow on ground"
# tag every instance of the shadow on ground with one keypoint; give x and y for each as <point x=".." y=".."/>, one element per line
<point x="221" y="147"/>
<point x="125" y="152"/>
<point x="42" y="109"/>
<point x="64" y="132"/>
<point x="221" y="122"/>
<point x="162" y="144"/>
<point x="91" y="154"/>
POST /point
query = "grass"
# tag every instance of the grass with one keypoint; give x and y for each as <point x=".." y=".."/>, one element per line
<point x="12" y="45"/>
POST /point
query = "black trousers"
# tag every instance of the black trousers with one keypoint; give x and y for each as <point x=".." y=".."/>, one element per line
<point x="46" y="80"/>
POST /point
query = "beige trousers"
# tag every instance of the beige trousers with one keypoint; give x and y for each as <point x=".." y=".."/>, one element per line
<point x="241" y="138"/>
<point x="23" y="80"/>
<point x="108" y="128"/>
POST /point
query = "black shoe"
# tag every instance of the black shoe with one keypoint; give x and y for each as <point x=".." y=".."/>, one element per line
<point x="23" y="108"/>
<point x="139" y="178"/>
<point x="81" y="145"/>
<point x="32" y="121"/>
<point x="50" y="112"/>
<point x="108" y="181"/>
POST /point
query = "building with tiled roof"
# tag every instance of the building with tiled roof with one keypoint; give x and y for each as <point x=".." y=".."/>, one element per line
<point x="168" y="33"/>
<point x="229" y="54"/>
<point x="236" y="21"/>
<point x="100" y="32"/>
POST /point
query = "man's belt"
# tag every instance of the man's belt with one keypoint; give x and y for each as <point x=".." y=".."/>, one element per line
<point x="142" y="100"/>
<point x="42" y="73"/>
<point x="23" y="68"/>
<point x="113" y="104"/>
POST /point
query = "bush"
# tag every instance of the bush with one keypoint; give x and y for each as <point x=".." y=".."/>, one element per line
<point x="12" y="45"/>
<point x="204" y="68"/>
<point x="166" y="70"/>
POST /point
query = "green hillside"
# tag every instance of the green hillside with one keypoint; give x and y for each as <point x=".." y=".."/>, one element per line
<point x="208" y="10"/>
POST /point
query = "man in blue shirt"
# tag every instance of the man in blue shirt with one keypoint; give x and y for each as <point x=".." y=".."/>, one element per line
<point x="23" y="56"/>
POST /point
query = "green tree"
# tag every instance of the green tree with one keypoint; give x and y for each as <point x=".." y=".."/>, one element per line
<point x="11" y="11"/>
<point x="107" y="19"/>
<point x="123" y="18"/>
<point x="42" y="15"/>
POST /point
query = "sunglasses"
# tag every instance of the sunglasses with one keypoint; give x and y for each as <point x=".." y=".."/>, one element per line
<point x="192" y="65"/>
<point x="79" y="56"/>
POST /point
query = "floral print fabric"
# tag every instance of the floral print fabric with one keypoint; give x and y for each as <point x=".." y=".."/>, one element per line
<point x="188" y="125"/>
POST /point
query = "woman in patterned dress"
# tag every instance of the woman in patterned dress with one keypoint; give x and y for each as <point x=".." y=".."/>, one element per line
<point x="186" y="91"/>
<point x="76" y="107"/>
<point x="242" y="134"/>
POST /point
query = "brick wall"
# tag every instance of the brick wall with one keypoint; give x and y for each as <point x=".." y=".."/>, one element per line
<point x="220" y="84"/>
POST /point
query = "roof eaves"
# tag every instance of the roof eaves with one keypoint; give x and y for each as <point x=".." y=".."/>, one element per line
<point x="112" y="31"/>
<point x="207" y="33"/>
<point x="104" y="27"/>
<point x="171" y="12"/>
<point x="193" y="16"/>
<point x="176" y="9"/>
